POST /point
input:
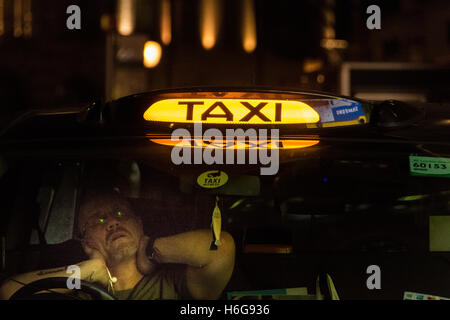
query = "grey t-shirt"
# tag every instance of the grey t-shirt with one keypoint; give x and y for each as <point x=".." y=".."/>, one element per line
<point x="167" y="282"/>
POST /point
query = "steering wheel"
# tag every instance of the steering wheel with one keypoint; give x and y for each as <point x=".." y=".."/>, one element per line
<point x="28" y="290"/>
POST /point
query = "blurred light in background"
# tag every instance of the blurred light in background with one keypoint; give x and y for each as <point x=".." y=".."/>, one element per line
<point x="248" y="26"/>
<point x="312" y="65"/>
<point x="328" y="30"/>
<point x="27" y="19"/>
<point x="18" y="31"/>
<point x="443" y="122"/>
<point x="126" y="17"/>
<point x="2" y="19"/>
<point x="152" y="54"/>
<point x="330" y="44"/>
<point x="320" y="78"/>
<point x="329" y="33"/>
<point x="166" y="23"/>
<point x="329" y="20"/>
<point x="107" y="22"/>
<point x="329" y="41"/>
<point x="209" y="22"/>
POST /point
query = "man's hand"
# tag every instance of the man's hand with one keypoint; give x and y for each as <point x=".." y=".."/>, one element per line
<point x="144" y="265"/>
<point x="94" y="270"/>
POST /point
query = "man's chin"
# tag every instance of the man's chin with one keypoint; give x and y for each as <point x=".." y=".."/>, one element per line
<point x="123" y="250"/>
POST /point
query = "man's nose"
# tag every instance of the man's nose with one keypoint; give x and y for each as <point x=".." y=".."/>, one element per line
<point x="112" y="223"/>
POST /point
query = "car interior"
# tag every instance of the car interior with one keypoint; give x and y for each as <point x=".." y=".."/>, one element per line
<point x="334" y="214"/>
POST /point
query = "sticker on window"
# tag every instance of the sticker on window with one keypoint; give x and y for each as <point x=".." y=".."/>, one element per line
<point x="429" y="166"/>
<point x="212" y="179"/>
<point x="407" y="295"/>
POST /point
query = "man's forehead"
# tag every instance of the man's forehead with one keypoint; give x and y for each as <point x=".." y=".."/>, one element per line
<point x="104" y="201"/>
<point x="101" y="204"/>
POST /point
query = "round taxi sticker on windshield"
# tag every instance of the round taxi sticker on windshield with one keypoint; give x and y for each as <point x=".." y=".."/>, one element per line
<point x="212" y="179"/>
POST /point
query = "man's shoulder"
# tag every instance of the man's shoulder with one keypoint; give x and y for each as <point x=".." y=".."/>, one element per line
<point x="167" y="281"/>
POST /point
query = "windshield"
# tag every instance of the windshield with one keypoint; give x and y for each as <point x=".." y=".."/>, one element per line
<point x="340" y="211"/>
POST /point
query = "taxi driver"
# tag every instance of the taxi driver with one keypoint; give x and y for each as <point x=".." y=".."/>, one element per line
<point x="180" y="266"/>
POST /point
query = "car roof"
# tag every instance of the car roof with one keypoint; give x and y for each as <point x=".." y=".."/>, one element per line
<point x="87" y="122"/>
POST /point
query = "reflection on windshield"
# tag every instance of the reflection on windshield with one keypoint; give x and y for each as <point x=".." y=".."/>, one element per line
<point x="327" y="214"/>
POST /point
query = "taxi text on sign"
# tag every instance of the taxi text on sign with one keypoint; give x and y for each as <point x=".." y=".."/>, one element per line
<point x="235" y="111"/>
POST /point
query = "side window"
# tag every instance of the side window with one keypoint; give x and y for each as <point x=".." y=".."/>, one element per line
<point x="56" y="199"/>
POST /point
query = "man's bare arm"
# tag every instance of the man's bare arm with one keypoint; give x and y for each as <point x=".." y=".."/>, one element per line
<point x="208" y="270"/>
<point x="91" y="270"/>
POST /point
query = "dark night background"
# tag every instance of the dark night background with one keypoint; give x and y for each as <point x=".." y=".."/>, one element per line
<point x="53" y="66"/>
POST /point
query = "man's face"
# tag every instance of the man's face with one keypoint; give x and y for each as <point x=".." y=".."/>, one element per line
<point x="110" y="227"/>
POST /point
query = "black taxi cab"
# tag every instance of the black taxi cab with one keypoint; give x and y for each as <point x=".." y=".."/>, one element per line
<point x="326" y="197"/>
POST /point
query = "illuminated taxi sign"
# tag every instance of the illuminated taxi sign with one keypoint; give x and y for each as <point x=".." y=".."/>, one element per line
<point x="234" y="111"/>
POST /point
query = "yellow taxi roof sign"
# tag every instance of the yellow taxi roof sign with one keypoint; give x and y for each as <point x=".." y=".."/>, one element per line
<point x="231" y="111"/>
